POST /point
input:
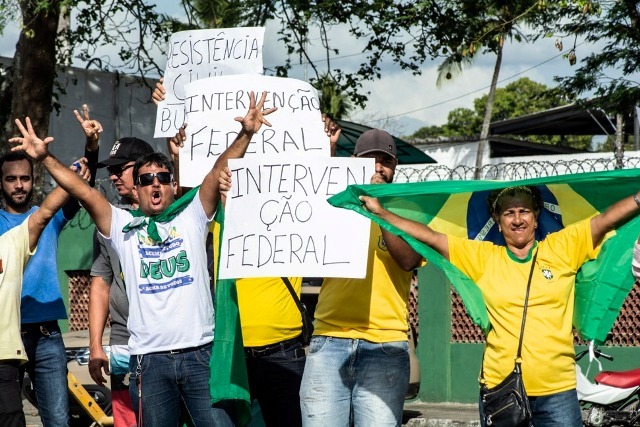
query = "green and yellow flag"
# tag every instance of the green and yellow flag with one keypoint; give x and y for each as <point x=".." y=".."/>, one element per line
<point x="459" y="208"/>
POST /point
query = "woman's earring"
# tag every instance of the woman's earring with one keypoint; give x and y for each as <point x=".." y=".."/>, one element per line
<point x="499" y="229"/>
<point x="535" y="226"/>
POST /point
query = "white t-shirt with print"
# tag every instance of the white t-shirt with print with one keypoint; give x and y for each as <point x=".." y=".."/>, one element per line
<point x="170" y="304"/>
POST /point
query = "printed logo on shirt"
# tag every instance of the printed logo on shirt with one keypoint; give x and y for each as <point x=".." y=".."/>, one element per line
<point x="381" y="244"/>
<point x="161" y="267"/>
<point x="546" y="272"/>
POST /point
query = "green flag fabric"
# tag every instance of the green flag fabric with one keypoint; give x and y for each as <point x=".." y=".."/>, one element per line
<point x="459" y="208"/>
<point x="229" y="381"/>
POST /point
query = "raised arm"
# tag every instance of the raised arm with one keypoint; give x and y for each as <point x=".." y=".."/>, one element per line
<point x="39" y="219"/>
<point x="615" y="214"/>
<point x="251" y="123"/>
<point x="36" y="148"/>
<point x="333" y="130"/>
<point x="421" y="232"/>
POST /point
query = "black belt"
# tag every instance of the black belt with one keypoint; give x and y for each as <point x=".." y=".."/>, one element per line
<point x="266" y="350"/>
<point x="182" y="350"/>
<point x="43" y="327"/>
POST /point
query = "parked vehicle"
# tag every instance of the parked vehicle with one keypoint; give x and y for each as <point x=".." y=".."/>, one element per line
<point x="613" y="399"/>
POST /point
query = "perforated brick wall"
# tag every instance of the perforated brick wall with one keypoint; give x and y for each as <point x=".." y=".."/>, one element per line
<point x="625" y="331"/>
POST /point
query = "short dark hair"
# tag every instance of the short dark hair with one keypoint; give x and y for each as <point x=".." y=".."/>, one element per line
<point x="496" y="197"/>
<point x="154" y="158"/>
<point x="15" y="156"/>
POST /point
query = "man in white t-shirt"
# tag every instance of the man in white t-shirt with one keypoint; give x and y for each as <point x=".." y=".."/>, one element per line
<point x="162" y="249"/>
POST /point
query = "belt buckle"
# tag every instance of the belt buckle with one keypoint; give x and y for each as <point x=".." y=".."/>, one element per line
<point x="175" y="351"/>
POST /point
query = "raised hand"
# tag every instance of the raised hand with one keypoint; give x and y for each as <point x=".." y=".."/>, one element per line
<point x="254" y="119"/>
<point x="371" y="204"/>
<point x="92" y="128"/>
<point x="224" y="181"/>
<point x="176" y="142"/>
<point x="30" y="143"/>
<point x="81" y="167"/>
<point x="159" y="92"/>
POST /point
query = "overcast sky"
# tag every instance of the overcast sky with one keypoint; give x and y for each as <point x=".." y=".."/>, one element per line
<point x="400" y="101"/>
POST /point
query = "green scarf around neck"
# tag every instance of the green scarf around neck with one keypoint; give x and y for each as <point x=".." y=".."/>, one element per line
<point x="142" y="220"/>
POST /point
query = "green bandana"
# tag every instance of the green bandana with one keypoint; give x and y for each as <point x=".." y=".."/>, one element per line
<point x="167" y="215"/>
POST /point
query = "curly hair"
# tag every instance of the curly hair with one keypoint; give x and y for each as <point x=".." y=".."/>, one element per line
<point x="496" y="197"/>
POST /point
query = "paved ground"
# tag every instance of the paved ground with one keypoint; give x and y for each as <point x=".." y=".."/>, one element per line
<point x="415" y="414"/>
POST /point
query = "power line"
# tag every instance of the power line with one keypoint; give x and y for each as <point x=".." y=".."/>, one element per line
<point x="472" y="92"/>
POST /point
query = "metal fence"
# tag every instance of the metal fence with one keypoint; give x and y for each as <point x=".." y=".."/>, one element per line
<point x="511" y="171"/>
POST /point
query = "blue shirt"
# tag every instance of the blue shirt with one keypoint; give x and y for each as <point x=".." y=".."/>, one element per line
<point x="41" y="297"/>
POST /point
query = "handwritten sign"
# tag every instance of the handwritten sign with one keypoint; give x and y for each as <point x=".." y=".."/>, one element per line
<point x="212" y="104"/>
<point x="198" y="54"/>
<point x="278" y="221"/>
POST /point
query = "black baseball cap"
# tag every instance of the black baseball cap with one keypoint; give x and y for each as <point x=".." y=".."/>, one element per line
<point x="375" y="140"/>
<point x="125" y="150"/>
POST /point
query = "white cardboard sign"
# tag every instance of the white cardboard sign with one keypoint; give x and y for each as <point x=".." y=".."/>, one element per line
<point x="197" y="54"/>
<point x="212" y="104"/>
<point x="278" y="222"/>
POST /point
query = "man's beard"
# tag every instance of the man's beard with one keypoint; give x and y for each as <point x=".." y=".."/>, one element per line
<point x="9" y="201"/>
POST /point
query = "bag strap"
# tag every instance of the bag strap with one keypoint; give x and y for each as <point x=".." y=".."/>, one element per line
<point x="524" y="318"/>
<point x="294" y="295"/>
<point x="526" y="304"/>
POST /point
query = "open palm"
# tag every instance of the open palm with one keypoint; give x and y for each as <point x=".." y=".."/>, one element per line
<point x="30" y="143"/>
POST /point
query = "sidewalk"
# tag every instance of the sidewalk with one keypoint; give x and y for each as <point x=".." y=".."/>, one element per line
<point x="416" y="414"/>
<point x="440" y="414"/>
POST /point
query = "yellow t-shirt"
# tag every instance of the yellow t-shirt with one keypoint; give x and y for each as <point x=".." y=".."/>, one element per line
<point x="547" y="350"/>
<point x="373" y="308"/>
<point x="14" y="253"/>
<point x="268" y="313"/>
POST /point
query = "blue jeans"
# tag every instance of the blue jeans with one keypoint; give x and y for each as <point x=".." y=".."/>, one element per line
<point x="554" y="410"/>
<point x="166" y="379"/>
<point x="47" y="369"/>
<point x="352" y="380"/>
<point x="274" y="380"/>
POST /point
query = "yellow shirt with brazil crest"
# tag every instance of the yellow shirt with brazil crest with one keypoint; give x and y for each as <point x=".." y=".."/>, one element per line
<point x="547" y="352"/>
<point x="268" y="313"/>
<point x="373" y="308"/>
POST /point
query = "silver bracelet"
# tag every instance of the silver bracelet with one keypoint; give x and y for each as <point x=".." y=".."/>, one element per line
<point x="635" y="199"/>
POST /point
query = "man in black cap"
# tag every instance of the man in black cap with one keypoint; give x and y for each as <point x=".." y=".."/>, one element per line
<point x="107" y="293"/>
<point x="361" y="325"/>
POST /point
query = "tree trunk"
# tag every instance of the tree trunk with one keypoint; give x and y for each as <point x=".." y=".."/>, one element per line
<point x="34" y="70"/>
<point x="484" y="133"/>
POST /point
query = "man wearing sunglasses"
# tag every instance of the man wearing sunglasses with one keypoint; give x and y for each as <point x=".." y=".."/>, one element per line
<point x="107" y="293"/>
<point x="162" y="249"/>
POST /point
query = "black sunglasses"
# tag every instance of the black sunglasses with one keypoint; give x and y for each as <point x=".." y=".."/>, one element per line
<point x="147" y="178"/>
<point x="118" y="170"/>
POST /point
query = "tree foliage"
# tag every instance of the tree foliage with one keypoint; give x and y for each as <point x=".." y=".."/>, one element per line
<point x="610" y="73"/>
<point x="519" y="98"/>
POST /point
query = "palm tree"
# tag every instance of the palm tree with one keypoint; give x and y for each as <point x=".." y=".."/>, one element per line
<point x="488" y="26"/>
<point x="332" y="101"/>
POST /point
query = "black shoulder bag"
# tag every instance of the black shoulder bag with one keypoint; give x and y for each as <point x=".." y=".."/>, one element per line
<point x="307" y="321"/>
<point x="507" y="404"/>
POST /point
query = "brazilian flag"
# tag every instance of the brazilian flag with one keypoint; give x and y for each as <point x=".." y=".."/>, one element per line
<point x="459" y="208"/>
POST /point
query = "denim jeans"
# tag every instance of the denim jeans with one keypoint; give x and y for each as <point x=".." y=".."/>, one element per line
<point x="167" y="379"/>
<point x="47" y="369"/>
<point x="274" y="380"/>
<point x="11" y="414"/>
<point x="352" y="380"/>
<point x="554" y="410"/>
